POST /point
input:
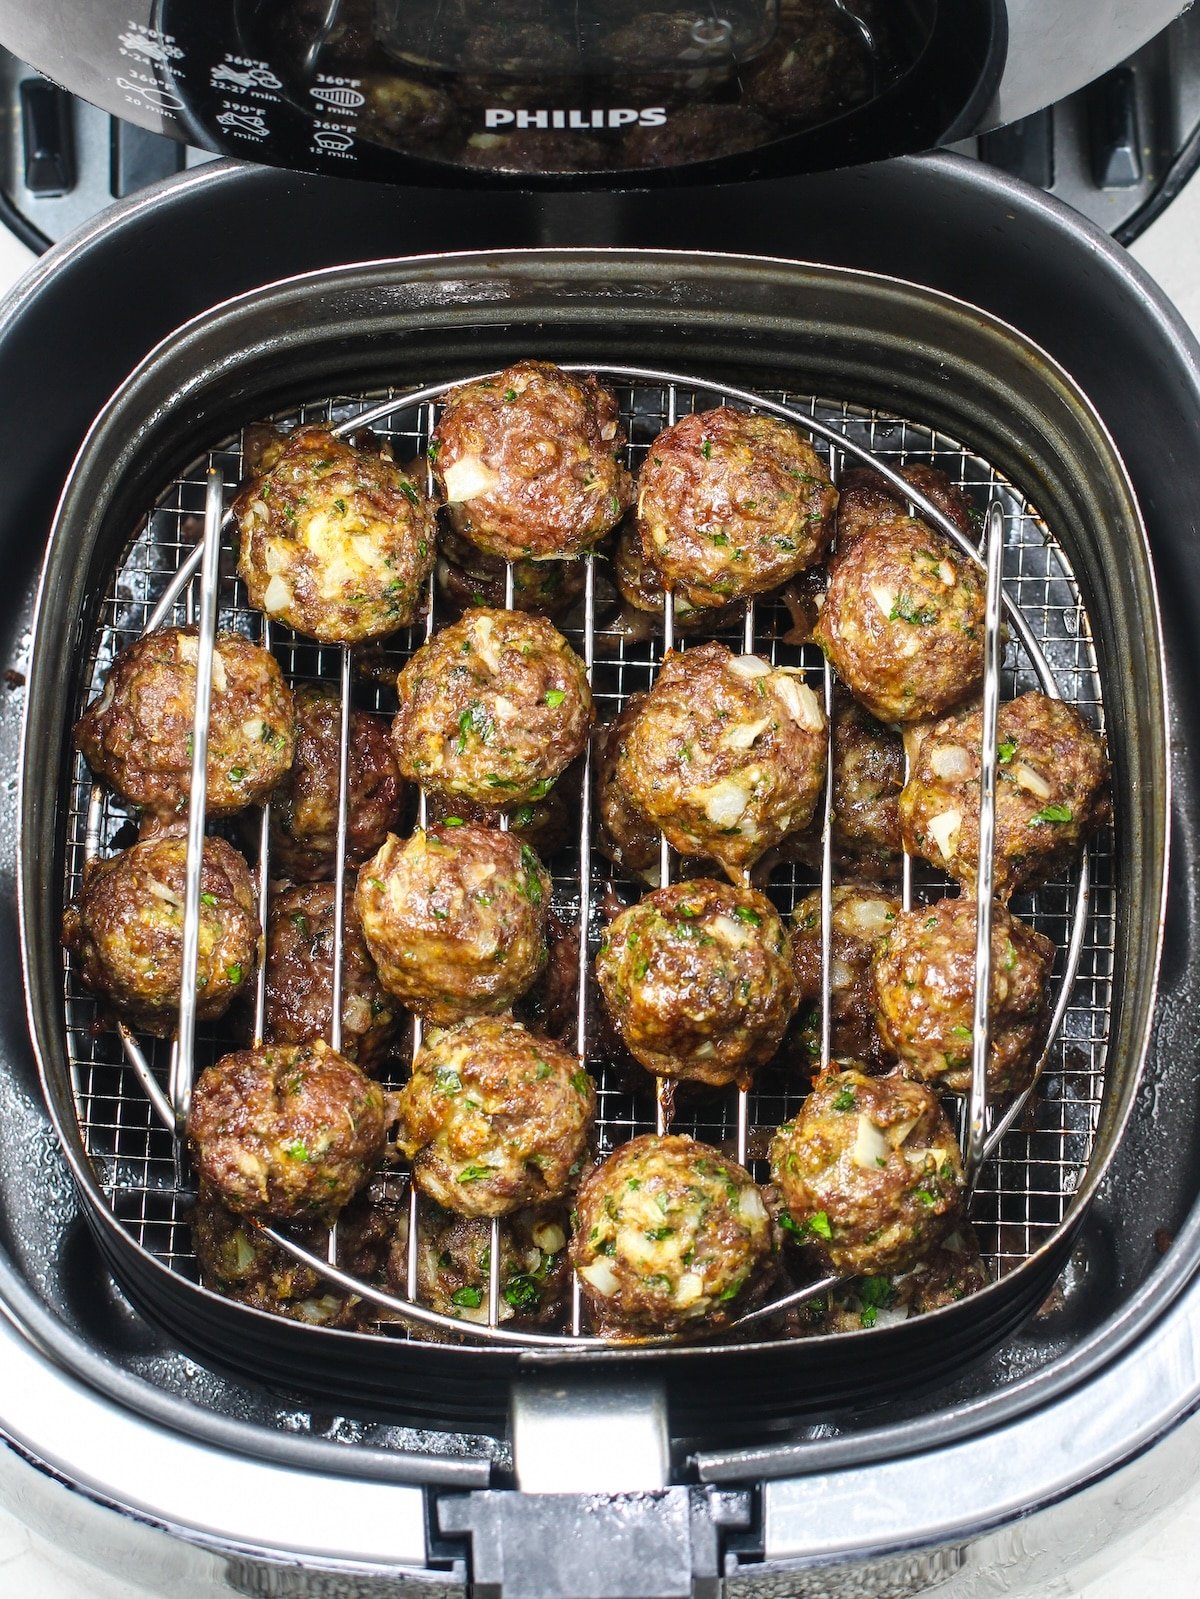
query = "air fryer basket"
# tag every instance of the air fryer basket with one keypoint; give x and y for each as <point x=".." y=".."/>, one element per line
<point x="871" y="342"/>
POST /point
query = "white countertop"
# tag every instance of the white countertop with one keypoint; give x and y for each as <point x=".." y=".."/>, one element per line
<point x="1162" y="1559"/>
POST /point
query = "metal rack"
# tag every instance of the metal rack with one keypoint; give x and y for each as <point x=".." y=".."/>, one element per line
<point x="1023" y="1186"/>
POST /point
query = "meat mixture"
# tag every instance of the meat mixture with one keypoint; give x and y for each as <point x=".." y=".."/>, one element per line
<point x="467" y="578"/>
<point x="624" y="835"/>
<point x="494" y="1118"/>
<point x="138" y="734"/>
<point x="640" y="585"/>
<point x="869" y="501"/>
<point x="868" y="774"/>
<point x="861" y="917"/>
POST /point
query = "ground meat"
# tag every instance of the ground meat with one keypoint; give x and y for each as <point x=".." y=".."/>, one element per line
<point x="454" y="1265"/>
<point x="726" y="755"/>
<point x="138" y="734"/>
<point x="286" y="1130"/>
<point x="238" y="1261"/>
<point x="529" y="462"/>
<point x="869" y="1173"/>
<point x="551" y="1007"/>
<point x="924" y="973"/>
<point x="300" y="978"/>
<point x="868" y="774"/>
<point x="731" y="504"/>
<point x="641" y="586"/>
<point x="336" y="542"/>
<point x="494" y="1118"/>
<point x="698" y="981"/>
<point x="696" y="133"/>
<point x="493" y="707"/>
<point x="304" y="807"/>
<point x="816" y="69"/>
<point x="869" y="500"/>
<point x="545" y="825"/>
<point x="1052" y="793"/>
<point x="948" y="1273"/>
<point x="670" y="1235"/>
<point x="903" y="619"/>
<point x="624" y="835"/>
<point x="455" y="919"/>
<point x="467" y="578"/>
<point x="126" y="929"/>
<point x="861" y="916"/>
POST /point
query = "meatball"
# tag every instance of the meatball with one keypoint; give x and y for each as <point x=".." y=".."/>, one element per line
<point x="300" y="977"/>
<point x="640" y="585"/>
<point x="454" y="1265"/>
<point x="405" y="114"/>
<point x="126" y="928"/>
<point x="494" y="1118"/>
<point x="861" y="917"/>
<point x="304" y="808"/>
<point x="545" y="825"/>
<point x="493" y="708"/>
<point x="467" y="577"/>
<point x="696" y="133"/>
<point x="903" y="620"/>
<point x="869" y="1173"/>
<point x="455" y="919"/>
<point x="286" y="1130"/>
<point x="924" y="972"/>
<point x="138" y="734"/>
<point x="529" y="462"/>
<point x="868" y="774"/>
<point x="624" y="835"/>
<point x="532" y="151"/>
<point x="816" y="69"/>
<point x="670" y="1235"/>
<point x="336" y="542"/>
<point x="868" y="500"/>
<point x="238" y="1261"/>
<point x="1052" y="793"/>
<point x="698" y="981"/>
<point x="725" y="754"/>
<point x="731" y="504"/>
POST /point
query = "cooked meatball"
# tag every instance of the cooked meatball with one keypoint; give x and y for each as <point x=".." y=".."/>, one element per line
<point x="726" y="755"/>
<point x="300" y="977"/>
<point x="493" y="707"/>
<point x="817" y="67"/>
<point x="138" y="734"/>
<point x="405" y="114"/>
<point x="545" y="825"/>
<point x="868" y="500"/>
<point x="237" y="1260"/>
<point x="641" y="586"/>
<point x="126" y="928"/>
<point x="466" y="577"/>
<point x="861" y="916"/>
<point x="924" y="972"/>
<point x="454" y="1265"/>
<point x="951" y="1271"/>
<point x="868" y="774"/>
<point x="336" y="542"/>
<point x="494" y="1118"/>
<point x="286" y="1130"/>
<point x="698" y="982"/>
<point x="304" y="808"/>
<point x="624" y="835"/>
<point x="696" y="133"/>
<point x="455" y="919"/>
<point x="670" y="1235"/>
<point x="731" y="504"/>
<point x="529" y="462"/>
<point x="1052" y="793"/>
<point x="868" y="1172"/>
<point x="903" y="619"/>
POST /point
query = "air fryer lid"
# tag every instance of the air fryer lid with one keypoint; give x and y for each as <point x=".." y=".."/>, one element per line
<point x="591" y="92"/>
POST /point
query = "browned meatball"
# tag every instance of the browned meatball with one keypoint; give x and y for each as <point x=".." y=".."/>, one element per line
<point x="405" y="114"/>
<point x="725" y="754"/>
<point x="304" y="807"/>
<point x="696" y="133"/>
<point x="948" y="1273"/>
<point x="454" y="1265"/>
<point x="529" y="462"/>
<point x="494" y="1118"/>
<point x="670" y="1236"/>
<point x="286" y="1130"/>
<point x="902" y="621"/>
<point x="545" y="825"/>
<point x="455" y="919"/>
<point x="868" y="774"/>
<point x="869" y="500"/>
<point x="861" y="916"/>
<point x="138" y="734"/>
<point x="731" y="504"/>
<point x="641" y="586"/>
<point x="493" y="707"/>
<point x="336" y="542"/>
<point x="1052" y="793"/>
<point x="869" y="1173"/>
<point x="951" y="1271"/>
<point x="467" y="578"/>
<point x="698" y="982"/>
<point x="817" y="67"/>
<point x="300" y="977"/>
<point x="924" y="974"/>
<point x="624" y="835"/>
<point x="126" y="928"/>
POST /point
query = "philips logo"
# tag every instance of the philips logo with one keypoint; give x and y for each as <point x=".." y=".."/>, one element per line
<point x="614" y="117"/>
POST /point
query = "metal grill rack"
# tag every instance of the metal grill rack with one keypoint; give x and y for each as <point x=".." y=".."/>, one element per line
<point x="1027" y="1181"/>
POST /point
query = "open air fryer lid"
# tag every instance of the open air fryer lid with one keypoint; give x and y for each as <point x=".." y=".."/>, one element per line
<point x="596" y="93"/>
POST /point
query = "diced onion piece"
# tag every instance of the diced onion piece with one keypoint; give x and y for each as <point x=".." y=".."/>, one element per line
<point x="734" y="932"/>
<point x="945" y="828"/>
<point x="890" y="1315"/>
<point x="253" y="729"/>
<point x="1033" y="782"/>
<point x="356" y="1013"/>
<point x="220" y="681"/>
<point x="189" y="647"/>
<point x="885" y="598"/>
<point x="467" y="479"/>
<point x="633" y="1245"/>
<point x="689" y="1289"/>
<point x="954" y="1243"/>
<point x="743" y="734"/>
<point x="485" y="644"/>
<point x="750" y="1205"/>
<point x="869" y="918"/>
<point x="749" y="666"/>
<point x="277" y="597"/>
<point x="549" y="1237"/>
<point x="167" y="895"/>
<point x="899" y="1131"/>
<point x="871" y="1148"/>
<point x="725" y="802"/>
<point x="947" y="574"/>
<point x="841" y="976"/>
<point x="801" y="702"/>
<point x="599" y="1275"/>
<point x="950" y="761"/>
<point x="276" y="557"/>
